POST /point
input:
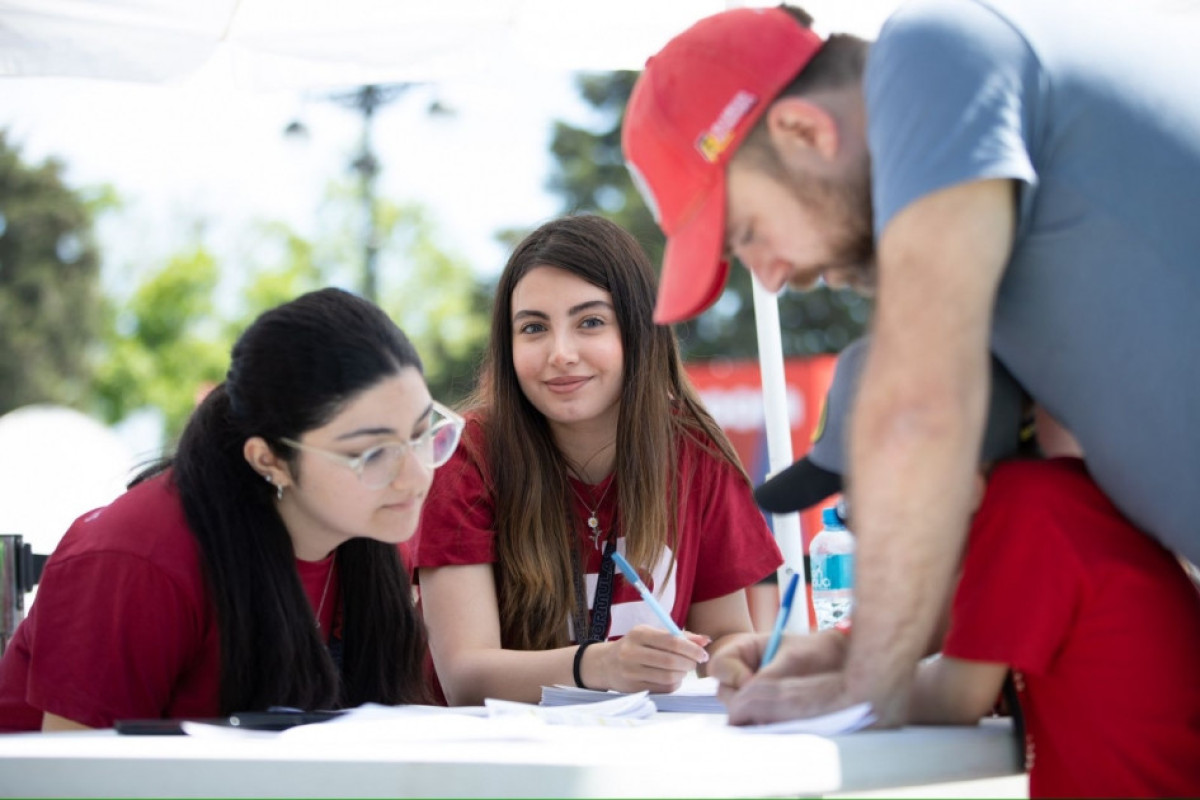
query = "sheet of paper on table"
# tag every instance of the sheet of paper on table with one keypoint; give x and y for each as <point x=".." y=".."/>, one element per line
<point x="696" y="695"/>
<point x="699" y="695"/>
<point x="848" y="720"/>
<point x="497" y="719"/>
<point x="511" y="721"/>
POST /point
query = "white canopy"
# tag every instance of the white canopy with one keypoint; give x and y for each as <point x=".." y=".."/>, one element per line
<point x="277" y="44"/>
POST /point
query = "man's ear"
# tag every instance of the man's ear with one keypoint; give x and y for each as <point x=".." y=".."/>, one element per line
<point x="801" y="129"/>
<point x="262" y="459"/>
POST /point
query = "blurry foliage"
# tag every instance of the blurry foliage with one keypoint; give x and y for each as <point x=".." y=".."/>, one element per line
<point x="165" y="344"/>
<point x="591" y="174"/>
<point x="287" y="269"/>
<point x="170" y="340"/>
<point x="591" y="177"/>
<point x="435" y="297"/>
<point x="50" y="310"/>
<point x="431" y="293"/>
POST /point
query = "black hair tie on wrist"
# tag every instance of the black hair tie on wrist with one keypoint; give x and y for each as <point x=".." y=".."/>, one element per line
<point x="579" y="662"/>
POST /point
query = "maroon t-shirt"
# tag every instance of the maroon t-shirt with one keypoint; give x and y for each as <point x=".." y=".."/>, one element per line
<point x="122" y="626"/>
<point x="725" y="544"/>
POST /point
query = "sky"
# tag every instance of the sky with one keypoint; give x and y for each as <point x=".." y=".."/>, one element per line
<point x="194" y="150"/>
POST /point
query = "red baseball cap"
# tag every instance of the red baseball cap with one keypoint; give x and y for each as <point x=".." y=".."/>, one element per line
<point x="691" y="108"/>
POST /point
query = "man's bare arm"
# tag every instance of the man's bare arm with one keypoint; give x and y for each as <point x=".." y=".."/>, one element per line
<point x="917" y="426"/>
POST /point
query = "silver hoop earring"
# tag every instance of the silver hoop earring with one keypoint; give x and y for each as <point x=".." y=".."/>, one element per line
<point x="279" y="491"/>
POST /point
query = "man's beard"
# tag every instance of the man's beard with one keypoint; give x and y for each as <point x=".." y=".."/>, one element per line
<point x="845" y="205"/>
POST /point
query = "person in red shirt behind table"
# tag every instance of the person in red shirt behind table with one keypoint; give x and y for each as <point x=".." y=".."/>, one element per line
<point x="1098" y="623"/>
<point x="586" y="439"/>
<point x="259" y="566"/>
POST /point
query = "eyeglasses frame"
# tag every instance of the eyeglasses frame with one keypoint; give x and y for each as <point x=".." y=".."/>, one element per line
<point x="356" y="463"/>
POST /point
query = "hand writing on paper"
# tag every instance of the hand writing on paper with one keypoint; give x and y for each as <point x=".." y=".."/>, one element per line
<point x="645" y="658"/>
<point x="803" y="680"/>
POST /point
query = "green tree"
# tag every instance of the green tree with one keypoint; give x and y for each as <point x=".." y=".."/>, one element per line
<point x="591" y="177"/>
<point x="283" y="266"/>
<point x="165" y="344"/>
<point x="432" y="293"/>
<point x="170" y="340"/>
<point x="50" y="312"/>
<point x="436" y="298"/>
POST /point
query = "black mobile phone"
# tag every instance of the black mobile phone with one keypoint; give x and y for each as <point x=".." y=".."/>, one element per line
<point x="250" y="720"/>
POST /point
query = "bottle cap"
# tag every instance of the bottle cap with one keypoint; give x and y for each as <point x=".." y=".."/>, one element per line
<point x="830" y="518"/>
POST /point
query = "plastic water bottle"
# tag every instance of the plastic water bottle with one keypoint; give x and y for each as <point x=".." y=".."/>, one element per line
<point x="831" y="555"/>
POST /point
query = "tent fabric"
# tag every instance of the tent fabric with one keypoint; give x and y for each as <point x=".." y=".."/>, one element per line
<point x="280" y="44"/>
<point x="291" y="44"/>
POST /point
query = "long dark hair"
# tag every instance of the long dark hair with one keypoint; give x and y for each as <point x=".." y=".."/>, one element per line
<point x="657" y="405"/>
<point x="291" y="371"/>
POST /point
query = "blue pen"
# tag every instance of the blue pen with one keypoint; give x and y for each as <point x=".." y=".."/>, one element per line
<point x="632" y="576"/>
<point x="785" y="611"/>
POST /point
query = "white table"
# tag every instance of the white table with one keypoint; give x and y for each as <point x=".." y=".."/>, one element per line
<point x="708" y="760"/>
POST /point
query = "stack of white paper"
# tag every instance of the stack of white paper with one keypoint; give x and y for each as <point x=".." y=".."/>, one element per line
<point x="696" y="695"/>
<point x="613" y="708"/>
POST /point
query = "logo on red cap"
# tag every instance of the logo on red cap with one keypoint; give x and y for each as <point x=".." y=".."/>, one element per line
<point x="713" y="142"/>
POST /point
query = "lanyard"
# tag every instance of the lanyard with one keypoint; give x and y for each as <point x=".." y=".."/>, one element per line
<point x="602" y="600"/>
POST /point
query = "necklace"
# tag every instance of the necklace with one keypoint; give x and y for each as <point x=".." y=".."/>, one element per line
<point x="593" y="522"/>
<point x="325" y="591"/>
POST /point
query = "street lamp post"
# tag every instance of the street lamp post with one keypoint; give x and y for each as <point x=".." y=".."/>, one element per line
<point x="365" y="100"/>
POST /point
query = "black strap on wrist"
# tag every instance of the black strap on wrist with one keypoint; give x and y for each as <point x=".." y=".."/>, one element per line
<point x="579" y="662"/>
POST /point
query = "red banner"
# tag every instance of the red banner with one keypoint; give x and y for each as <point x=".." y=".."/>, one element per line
<point x="732" y="392"/>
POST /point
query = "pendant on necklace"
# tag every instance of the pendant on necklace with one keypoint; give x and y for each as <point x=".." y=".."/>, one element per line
<point x="594" y="524"/>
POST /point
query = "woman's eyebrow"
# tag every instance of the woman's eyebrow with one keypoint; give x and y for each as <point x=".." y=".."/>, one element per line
<point x="527" y="313"/>
<point x="367" y="432"/>
<point x="587" y="306"/>
<point x="578" y="308"/>
<point x="385" y="431"/>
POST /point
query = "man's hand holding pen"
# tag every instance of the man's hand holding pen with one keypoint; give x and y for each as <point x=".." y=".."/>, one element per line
<point x="805" y="666"/>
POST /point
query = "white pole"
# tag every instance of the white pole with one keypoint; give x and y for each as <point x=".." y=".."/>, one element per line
<point x="779" y="445"/>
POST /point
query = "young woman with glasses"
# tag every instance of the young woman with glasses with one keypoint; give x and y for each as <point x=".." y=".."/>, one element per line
<point x="259" y="566"/>
<point x="585" y="438"/>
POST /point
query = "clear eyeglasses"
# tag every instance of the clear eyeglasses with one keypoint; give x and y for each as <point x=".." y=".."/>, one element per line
<point x="380" y="465"/>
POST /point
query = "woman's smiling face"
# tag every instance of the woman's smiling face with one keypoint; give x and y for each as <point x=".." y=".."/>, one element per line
<point x="567" y="350"/>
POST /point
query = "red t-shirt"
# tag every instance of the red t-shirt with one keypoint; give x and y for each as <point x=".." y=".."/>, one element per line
<point x="1100" y="625"/>
<point x="725" y="544"/>
<point x="123" y="626"/>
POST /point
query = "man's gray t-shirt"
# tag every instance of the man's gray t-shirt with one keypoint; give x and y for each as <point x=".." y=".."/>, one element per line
<point x="1092" y="108"/>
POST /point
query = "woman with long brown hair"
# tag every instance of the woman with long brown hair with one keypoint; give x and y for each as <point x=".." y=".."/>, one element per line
<point x="584" y="438"/>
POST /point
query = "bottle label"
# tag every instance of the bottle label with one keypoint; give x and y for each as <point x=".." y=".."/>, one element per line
<point x="833" y="572"/>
